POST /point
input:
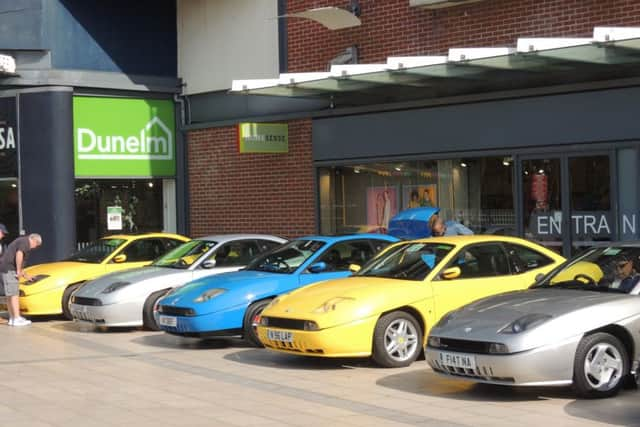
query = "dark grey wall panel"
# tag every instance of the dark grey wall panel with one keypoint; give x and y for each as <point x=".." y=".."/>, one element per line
<point x="47" y="177"/>
<point x="215" y="106"/>
<point x="21" y="24"/>
<point x="526" y="122"/>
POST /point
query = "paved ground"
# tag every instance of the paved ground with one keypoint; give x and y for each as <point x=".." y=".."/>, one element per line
<point x="57" y="373"/>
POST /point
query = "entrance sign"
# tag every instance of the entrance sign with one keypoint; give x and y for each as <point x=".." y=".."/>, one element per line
<point x="263" y="138"/>
<point x="8" y="138"/>
<point x="120" y="137"/>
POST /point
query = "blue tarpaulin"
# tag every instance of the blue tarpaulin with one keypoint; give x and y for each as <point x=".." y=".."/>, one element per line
<point x="412" y="223"/>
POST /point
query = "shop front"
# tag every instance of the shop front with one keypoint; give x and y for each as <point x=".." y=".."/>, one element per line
<point x="536" y="167"/>
<point x="9" y="201"/>
<point x="125" y="166"/>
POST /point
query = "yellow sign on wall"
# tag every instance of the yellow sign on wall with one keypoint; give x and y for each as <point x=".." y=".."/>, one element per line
<point x="263" y="138"/>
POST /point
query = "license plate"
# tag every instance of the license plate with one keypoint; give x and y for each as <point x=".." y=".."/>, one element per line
<point x="168" y="321"/>
<point x="283" y="336"/>
<point x="458" y="360"/>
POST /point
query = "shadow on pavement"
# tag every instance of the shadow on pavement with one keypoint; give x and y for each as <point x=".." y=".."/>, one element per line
<point x="82" y="327"/>
<point x="426" y="382"/>
<point x="622" y="410"/>
<point x="265" y="358"/>
<point x="167" y="341"/>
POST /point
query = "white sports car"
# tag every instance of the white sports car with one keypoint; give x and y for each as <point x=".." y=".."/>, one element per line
<point x="128" y="298"/>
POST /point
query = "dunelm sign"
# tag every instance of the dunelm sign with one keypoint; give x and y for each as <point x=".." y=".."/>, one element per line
<point x="118" y="137"/>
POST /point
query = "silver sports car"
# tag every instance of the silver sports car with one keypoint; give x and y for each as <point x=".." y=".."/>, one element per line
<point x="579" y="325"/>
<point x="128" y="298"/>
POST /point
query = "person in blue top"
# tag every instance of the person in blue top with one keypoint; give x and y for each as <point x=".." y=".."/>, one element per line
<point x="450" y="228"/>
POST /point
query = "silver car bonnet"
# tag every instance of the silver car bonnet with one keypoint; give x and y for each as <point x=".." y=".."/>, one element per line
<point x="94" y="288"/>
<point x="572" y="312"/>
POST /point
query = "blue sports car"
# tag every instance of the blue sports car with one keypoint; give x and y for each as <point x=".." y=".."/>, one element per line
<point x="229" y="304"/>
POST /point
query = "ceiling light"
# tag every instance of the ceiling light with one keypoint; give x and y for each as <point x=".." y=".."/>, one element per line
<point x="150" y="185"/>
<point x="541" y="171"/>
<point x="14" y="185"/>
<point x="463" y="164"/>
<point x="356" y="170"/>
<point x="398" y="168"/>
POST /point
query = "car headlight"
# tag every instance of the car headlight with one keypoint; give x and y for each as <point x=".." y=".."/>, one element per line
<point x="115" y="286"/>
<point x="209" y="295"/>
<point x="498" y="348"/>
<point x="434" y="342"/>
<point x="35" y="279"/>
<point x="524" y="323"/>
<point x="331" y="304"/>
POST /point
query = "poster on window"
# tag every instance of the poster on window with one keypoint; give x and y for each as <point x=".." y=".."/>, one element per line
<point x="114" y="218"/>
<point x="382" y="205"/>
<point x="418" y="196"/>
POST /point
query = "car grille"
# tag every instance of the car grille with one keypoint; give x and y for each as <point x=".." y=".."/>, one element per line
<point x="176" y="311"/>
<point x="281" y="322"/>
<point x="86" y="301"/>
<point x="464" y="346"/>
<point x="480" y="373"/>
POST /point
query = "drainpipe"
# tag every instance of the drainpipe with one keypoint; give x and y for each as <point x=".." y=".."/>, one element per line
<point x="182" y="167"/>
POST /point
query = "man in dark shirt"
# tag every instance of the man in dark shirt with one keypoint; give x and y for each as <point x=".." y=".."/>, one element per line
<point x="11" y="268"/>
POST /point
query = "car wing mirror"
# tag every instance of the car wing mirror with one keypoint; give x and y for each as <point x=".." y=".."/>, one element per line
<point x="354" y="268"/>
<point x="318" y="267"/>
<point x="451" y="273"/>
<point x="208" y="264"/>
<point x="118" y="259"/>
<point x="538" y="277"/>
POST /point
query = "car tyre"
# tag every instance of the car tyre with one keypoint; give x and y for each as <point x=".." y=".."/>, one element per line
<point x="600" y="366"/>
<point x="250" y="326"/>
<point x="397" y="340"/>
<point x="66" y="300"/>
<point x="148" y="319"/>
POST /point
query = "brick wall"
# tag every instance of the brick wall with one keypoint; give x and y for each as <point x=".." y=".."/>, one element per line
<point x="250" y="193"/>
<point x="392" y="28"/>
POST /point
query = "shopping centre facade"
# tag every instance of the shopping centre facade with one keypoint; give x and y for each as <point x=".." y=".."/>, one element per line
<point x="535" y="137"/>
<point x="322" y="130"/>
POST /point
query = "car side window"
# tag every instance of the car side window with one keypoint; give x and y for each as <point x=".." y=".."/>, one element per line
<point x="144" y="250"/>
<point x="235" y="254"/>
<point x="267" y="245"/>
<point x="170" y="244"/>
<point x="485" y="260"/>
<point x="378" y="245"/>
<point x="523" y="259"/>
<point x="341" y="255"/>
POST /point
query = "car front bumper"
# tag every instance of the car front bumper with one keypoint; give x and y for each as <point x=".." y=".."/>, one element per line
<point x="225" y="323"/>
<point x="349" y="340"/>
<point x="550" y="365"/>
<point x="42" y="303"/>
<point x="126" y="314"/>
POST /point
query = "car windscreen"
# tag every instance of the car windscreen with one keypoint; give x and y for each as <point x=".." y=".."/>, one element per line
<point x="287" y="258"/>
<point x="96" y="252"/>
<point x="606" y="269"/>
<point x="410" y="261"/>
<point x="185" y="255"/>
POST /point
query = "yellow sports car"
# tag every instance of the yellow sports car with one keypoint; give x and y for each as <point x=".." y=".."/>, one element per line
<point x="50" y="290"/>
<point x="386" y="309"/>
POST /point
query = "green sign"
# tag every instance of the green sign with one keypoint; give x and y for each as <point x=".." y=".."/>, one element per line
<point x="120" y="137"/>
<point x="263" y="138"/>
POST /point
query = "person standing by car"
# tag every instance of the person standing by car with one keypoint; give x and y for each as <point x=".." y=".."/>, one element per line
<point x="450" y="228"/>
<point x="12" y="270"/>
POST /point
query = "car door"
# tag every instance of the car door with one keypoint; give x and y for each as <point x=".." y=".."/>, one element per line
<point x="484" y="270"/>
<point x="338" y="257"/>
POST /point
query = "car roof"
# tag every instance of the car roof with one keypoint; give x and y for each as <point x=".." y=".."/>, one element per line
<point x="345" y="237"/>
<point x="222" y="238"/>
<point x="473" y="238"/>
<point x="147" y="235"/>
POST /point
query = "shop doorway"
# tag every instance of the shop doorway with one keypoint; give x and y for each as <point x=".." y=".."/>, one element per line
<point x="566" y="200"/>
<point x="10" y="207"/>
<point x="140" y="201"/>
